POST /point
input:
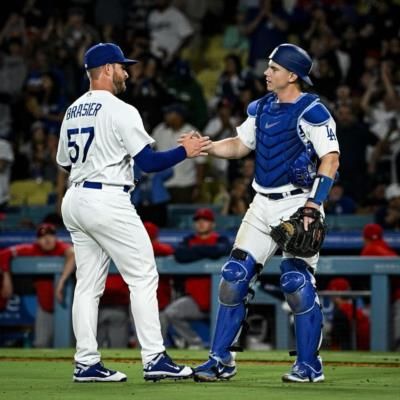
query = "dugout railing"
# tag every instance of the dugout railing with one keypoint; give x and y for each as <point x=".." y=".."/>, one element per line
<point x="378" y="269"/>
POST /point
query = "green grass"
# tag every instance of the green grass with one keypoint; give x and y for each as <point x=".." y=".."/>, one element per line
<point x="46" y="374"/>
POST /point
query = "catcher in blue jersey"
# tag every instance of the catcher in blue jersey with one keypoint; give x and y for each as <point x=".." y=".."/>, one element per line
<point x="296" y="160"/>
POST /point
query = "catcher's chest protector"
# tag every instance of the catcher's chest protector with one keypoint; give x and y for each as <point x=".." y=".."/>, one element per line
<point x="277" y="141"/>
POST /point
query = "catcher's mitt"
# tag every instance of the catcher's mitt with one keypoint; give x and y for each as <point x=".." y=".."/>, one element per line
<point x="291" y="237"/>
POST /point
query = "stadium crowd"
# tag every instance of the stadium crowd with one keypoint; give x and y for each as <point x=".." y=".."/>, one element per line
<point x="201" y="63"/>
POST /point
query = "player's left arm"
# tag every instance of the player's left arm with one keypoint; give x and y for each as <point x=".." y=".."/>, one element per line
<point x="323" y="182"/>
<point x="319" y="128"/>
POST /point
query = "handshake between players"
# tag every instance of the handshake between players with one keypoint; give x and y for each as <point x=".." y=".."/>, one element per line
<point x="195" y="144"/>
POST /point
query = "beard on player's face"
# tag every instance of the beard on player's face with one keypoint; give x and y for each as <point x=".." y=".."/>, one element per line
<point x="119" y="80"/>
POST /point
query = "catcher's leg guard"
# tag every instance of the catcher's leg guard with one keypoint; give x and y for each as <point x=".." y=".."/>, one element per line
<point x="237" y="274"/>
<point x="297" y="283"/>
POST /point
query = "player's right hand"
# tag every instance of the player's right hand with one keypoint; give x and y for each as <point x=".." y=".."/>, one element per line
<point x="195" y="144"/>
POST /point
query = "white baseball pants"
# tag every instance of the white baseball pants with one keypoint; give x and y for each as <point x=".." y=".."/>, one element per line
<point x="253" y="235"/>
<point x="104" y="225"/>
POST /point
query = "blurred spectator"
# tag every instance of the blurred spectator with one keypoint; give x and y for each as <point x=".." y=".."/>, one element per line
<point x="14" y="28"/>
<point x="195" y="305"/>
<point x="46" y="244"/>
<point x="108" y="13"/>
<point x="40" y="152"/>
<point x="13" y="68"/>
<point x="343" y="96"/>
<point x="170" y="31"/>
<point x="388" y="216"/>
<point x="235" y="38"/>
<point x="374" y="244"/>
<point x="385" y="158"/>
<point x="6" y="160"/>
<point x="319" y="24"/>
<point x="266" y="27"/>
<point x="326" y="77"/>
<point x="76" y="30"/>
<point x="347" y="314"/>
<point x="354" y="138"/>
<point x="137" y="15"/>
<point x="185" y="89"/>
<point x="232" y="78"/>
<point x="195" y="11"/>
<point x="151" y="196"/>
<point x="385" y="108"/>
<point x="146" y="91"/>
<point x="220" y="127"/>
<point x="373" y="200"/>
<point x="184" y="186"/>
<point x="338" y="202"/>
<point x="45" y="102"/>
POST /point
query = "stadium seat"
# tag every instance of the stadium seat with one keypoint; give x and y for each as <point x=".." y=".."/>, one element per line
<point x="30" y="192"/>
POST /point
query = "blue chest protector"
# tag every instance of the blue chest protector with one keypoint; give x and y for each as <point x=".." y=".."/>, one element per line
<point x="278" y="142"/>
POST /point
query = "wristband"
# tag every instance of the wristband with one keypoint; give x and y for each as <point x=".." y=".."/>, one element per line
<point x="320" y="189"/>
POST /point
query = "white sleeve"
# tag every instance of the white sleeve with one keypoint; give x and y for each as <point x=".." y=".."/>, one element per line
<point x="131" y="129"/>
<point x="183" y="25"/>
<point x="247" y="132"/>
<point x="62" y="150"/>
<point x="323" y="137"/>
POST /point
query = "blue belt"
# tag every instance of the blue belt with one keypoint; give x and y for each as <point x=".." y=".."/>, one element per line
<point x="278" y="196"/>
<point x="99" y="185"/>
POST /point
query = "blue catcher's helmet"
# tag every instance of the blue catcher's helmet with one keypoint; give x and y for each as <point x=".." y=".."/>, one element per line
<point x="294" y="59"/>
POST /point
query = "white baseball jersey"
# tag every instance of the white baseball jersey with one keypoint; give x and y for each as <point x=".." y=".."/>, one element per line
<point x="99" y="136"/>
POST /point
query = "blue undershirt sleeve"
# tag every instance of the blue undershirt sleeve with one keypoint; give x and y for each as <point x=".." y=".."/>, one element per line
<point x="149" y="160"/>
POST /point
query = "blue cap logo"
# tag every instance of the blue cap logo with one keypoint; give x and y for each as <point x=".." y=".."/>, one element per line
<point x="105" y="53"/>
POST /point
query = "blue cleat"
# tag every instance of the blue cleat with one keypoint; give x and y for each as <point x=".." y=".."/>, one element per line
<point x="96" y="373"/>
<point x="305" y="373"/>
<point x="162" y="367"/>
<point x="214" y="370"/>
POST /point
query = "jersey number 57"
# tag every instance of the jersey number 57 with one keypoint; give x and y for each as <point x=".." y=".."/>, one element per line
<point x="75" y="149"/>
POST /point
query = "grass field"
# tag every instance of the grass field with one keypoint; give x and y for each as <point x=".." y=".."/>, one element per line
<point x="46" y="374"/>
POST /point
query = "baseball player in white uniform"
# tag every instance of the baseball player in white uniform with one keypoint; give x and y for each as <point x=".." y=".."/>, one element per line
<point x="296" y="159"/>
<point x="100" y="139"/>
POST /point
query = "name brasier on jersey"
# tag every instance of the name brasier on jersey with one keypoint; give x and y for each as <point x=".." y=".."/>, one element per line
<point x="85" y="109"/>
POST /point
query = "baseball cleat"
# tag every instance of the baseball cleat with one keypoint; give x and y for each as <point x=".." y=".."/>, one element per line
<point x="162" y="367"/>
<point x="96" y="373"/>
<point x="302" y="372"/>
<point x="214" y="370"/>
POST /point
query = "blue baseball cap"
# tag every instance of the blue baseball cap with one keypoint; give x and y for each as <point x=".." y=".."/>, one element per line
<point x="294" y="59"/>
<point x="105" y="53"/>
